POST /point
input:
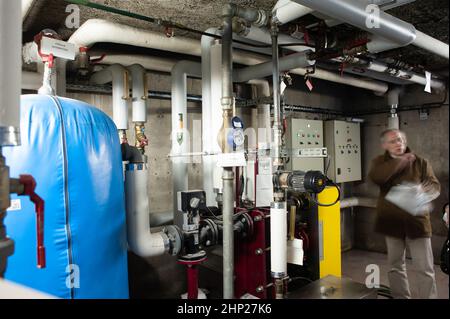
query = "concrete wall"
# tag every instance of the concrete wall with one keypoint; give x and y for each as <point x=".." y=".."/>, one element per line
<point x="428" y="138"/>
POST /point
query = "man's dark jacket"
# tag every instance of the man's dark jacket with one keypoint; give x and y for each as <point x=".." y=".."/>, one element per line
<point x="392" y="220"/>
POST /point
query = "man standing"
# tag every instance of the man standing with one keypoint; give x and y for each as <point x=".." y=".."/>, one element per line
<point x="396" y="166"/>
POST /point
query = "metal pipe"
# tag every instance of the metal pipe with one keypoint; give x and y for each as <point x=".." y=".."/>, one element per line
<point x="227" y="175"/>
<point x="290" y="62"/>
<point x="276" y="127"/>
<point x="263" y="129"/>
<point x="180" y="133"/>
<point x="228" y="233"/>
<point x="10" y="74"/>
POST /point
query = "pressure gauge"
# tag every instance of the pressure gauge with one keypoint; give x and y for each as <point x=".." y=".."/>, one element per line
<point x="238" y="137"/>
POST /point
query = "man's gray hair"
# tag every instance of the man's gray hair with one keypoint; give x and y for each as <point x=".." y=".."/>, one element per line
<point x="386" y="132"/>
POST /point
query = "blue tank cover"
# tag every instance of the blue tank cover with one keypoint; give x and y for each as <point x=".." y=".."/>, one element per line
<point x="72" y="149"/>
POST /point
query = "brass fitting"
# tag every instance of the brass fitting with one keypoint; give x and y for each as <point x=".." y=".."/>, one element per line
<point x="141" y="139"/>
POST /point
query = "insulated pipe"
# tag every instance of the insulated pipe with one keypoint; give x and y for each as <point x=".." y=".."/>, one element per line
<point x="208" y="105"/>
<point x="430" y="44"/>
<point x="140" y="239"/>
<point x="148" y="62"/>
<point x="263" y="127"/>
<point x="263" y="35"/>
<point x="109" y="34"/>
<point x="118" y="75"/>
<point x="286" y="11"/>
<point x="140" y="92"/>
<point x="180" y="133"/>
<point x="278" y="240"/>
<point x="357" y="13"/>
<point x="26" y="7"/>
<point x="10" y="71"/>
<point x="384" y="25"/>
<point x="262" y="70"/>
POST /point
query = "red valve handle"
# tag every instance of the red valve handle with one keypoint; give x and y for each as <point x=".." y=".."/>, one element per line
<point x="29" y="186"/>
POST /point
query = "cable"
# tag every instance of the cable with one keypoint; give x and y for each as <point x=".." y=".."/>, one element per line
<point x="330" y="182"/>
<point x="302" y="278"/>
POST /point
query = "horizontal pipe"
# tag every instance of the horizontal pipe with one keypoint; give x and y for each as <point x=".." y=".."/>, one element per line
<point x="358" y="201"/>
<point x="357" y="13"/>
<point x="289" y="11"/>
<point x="262" y="70"/>
<point x="428" y="43"/>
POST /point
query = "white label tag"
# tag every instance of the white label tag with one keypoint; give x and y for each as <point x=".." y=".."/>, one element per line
<point x="231" y="160"/>
<point x="428" y="85"/>
<point x="295" y="252"/>
<point x="16" y="204"/>
<point x="58" y="48"/>
<point x="283" y="87"/>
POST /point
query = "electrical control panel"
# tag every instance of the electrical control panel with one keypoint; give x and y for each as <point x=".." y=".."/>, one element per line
<point x="343" y="141"/>
<point x="304" y="140"/>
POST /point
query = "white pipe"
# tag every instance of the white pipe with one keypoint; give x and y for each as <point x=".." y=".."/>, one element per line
<point x="358" y="201"/>
<point x="263" y="35"/>
<point x="10" y="71"/>
<point x="97" y="30"/>
<point x="428" y="43"/>
<point x="287" y="11"/>
<point x="207" y="105"/>
<point x="26" y="7"/>
<point x="263" y="128"/>
<point x="116" y="74"/>
<point x="180" y="136"/>
<point x="140" y="96"/>
<point x="289" y="62"/>
<point x="133" y="36"/>
<point x="140" y="238"/>
<point x="148" y="62"/>
<point x="384" y="25"/>
<point x="278" y="239"/>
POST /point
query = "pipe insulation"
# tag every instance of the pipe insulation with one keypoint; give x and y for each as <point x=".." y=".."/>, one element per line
<point x="180" y="133"/>
<point x="286" y="11"/>
<point x="10" y="71"/>
<point x="116" y="74"/>
<point x="140" y="239"/>
<point x="278" y="239"/>
<point x="290" y="62"/>
<point x="378" y="22"/>
<point x="140" y="92"/>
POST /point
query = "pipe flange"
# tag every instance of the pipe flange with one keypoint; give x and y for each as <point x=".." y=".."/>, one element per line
<point x="212" y="231"/>
<point x="175" y="239"/>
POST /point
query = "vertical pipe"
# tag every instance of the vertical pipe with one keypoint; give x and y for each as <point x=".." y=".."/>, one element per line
<point x="228" y="175"/>
<point x="10" y="71"/>
<point x="276" y="128"/>
<point x="192" y="281"/>
<point x="278" y="237"/>
<point x="228" y="234"/>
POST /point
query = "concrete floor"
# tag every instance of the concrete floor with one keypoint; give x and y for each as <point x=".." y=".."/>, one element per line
<point x="354" y="264"/>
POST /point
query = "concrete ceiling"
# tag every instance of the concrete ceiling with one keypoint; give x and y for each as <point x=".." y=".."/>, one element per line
<point x="429" y="16"/>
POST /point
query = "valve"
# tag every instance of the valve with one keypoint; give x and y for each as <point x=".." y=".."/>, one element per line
<point x="27" y="188"/>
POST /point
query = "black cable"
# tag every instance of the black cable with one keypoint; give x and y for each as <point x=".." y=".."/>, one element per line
<point x="330" y="182"/>
<point x="302" y="278"/>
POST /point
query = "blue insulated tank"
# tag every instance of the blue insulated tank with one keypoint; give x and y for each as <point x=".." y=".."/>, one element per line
<point x="73" y="151"/>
